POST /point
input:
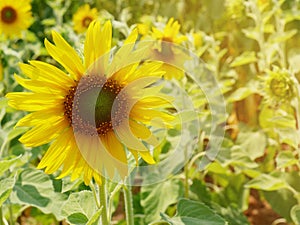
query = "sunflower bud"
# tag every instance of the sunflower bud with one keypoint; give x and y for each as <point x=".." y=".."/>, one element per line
<point x="279" y="86"/>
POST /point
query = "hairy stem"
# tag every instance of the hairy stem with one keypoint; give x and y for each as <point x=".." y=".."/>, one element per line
<point x="128" y="205"/>
<point x="103" y="202"/>
<point x="1" y="216"/>
<point x="186" y="175"/>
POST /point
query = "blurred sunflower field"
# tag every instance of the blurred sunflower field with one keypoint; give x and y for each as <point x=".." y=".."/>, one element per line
<point x="149" y="112"/>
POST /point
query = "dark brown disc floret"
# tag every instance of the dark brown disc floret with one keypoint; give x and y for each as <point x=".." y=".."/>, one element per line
<point x="8" y="14"/>
<point x="95" y="105"/>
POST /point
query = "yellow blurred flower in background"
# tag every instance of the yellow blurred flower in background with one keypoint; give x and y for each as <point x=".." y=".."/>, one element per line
<point x="235" y="9"/>
<point x="170" y="33"/>
<point x="168" y="52"/>
<point x="198" y="39"/>
<point x="83" y="17"/>
<point x="143" y="29"/>
<point x="15" y="17"/>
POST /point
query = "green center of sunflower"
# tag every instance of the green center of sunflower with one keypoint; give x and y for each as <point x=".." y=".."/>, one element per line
<point x="95" y="105"/>
<point x="281" y="88"/>
<point x="8" y="14"/>
<point x="86" y="21"/>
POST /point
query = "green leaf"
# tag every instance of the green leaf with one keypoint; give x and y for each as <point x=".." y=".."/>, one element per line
<point x="266" y="182"/>
<point x="253" y="143"/>
<point x="283" y="36"/>
<point x="232" y="214"/>
<point x="234" y="193"/>
<point x="94" y="219"/>
<point x="79" y="203"/>
<point x="251" y="33"/>
<point x="194" y="213"/>
<point x="295" y="214"/>
<point x="240" y="94"/>
<point x="35" y="188"/>
<point x="16" y="132"/>
<point x="270" y="118"/>
<point x="156" y="198"/>
<point x="77" y="218"/>
<point x="288" y="136"/>
<point x="29" y="194"/>
<point x="3" y="102"/>
<point x="185" y="116"/>
<point x="6" y="186"/>
<point x="241" y="158"/>
<point x="244" y="59"/>
<point x="285" y="159"/>
<point x="200" y="191"/>
<point x="294" y="58"/>
<point x="281" y="202"/>
<point x="49" y="22"/>
<point x="5" y="164"/>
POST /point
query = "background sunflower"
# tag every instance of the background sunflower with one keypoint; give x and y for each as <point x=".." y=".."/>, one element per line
<point x="83" y="17"/>
<point x="15" y="17"/>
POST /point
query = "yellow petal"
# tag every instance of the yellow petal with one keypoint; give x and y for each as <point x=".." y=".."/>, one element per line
<point x="40" y="117"/>
<point x="34" y="101"/>
<point x="97" y="42"/>
<point x="126" y="136"/>
<point x="44" y="133"/>
<point x="147" y="115"/>
<point x="62" y="56"/>
<point x="146" y="70"/>
<point x="71" y="53"/>
<point x="56" y="154"/>
<point x="135" y="155"/>
<point x="139" y="130"/>
<point x="132" y="37"/>
<point x="117" y="151"/>
<point x="40" y="86"/>
<point x="46" y="72"/>
<point x="147" y="157"/>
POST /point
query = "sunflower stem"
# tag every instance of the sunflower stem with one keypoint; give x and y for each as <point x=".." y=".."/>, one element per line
<point x="11" y="215"/>
<point x="95" y="194"/>
<point x="128" y="205"/>
<point x="1" y="216"/>
<point x="103" y="202"/>
<point x="186" y="175"/>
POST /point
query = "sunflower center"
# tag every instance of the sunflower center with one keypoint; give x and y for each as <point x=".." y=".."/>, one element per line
<point x="86" y="21"/>
<point x="95" y="105"/>
<point x="8" y="14"/>
<point x="167" y="39"/>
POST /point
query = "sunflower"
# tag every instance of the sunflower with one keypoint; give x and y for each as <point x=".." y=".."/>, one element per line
<point x="94" y="113"/>
<point x="167" y="50"/>
<point x="279" y="86"/>
<point x="170" y="33"/>
<point x="235" y="9"/>
<point x="83" y="17"/>
<point x="15" y="17"/>
<point x="197" y="40"/>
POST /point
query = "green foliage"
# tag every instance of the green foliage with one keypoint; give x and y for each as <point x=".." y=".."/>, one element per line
<point x="34" y="188"/>
<point x="251" y="48"/>
<point x="194" y="213"/>
<point x="79" y="207"/>
<point x="6" y="186"/>
<point x="157" y="197"/>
